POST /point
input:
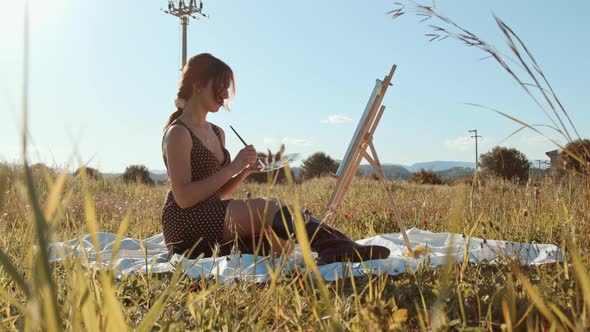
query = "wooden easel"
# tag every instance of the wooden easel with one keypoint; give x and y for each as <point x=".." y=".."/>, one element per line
<point x="357" y="150"/>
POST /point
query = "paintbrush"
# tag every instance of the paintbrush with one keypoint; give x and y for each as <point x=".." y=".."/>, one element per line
<point x="241" y="139"/>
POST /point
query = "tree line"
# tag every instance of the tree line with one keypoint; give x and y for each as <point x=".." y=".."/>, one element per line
<point x="507" y="163"/>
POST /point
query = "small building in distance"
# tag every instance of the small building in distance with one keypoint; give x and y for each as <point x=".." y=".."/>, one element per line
<point x="556" y="163"/>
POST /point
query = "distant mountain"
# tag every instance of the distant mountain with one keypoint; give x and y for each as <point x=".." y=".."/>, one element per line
<point x="162" y="175"/>
<point x="455" y="173"/>
<point x="447" y="170"/>
<point x="440" y="165"/>
<point x="391" y="171"/>
<point x="158" y="176"/>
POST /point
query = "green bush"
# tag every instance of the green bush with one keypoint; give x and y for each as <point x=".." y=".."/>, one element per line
<point x="580" y="148"/>
<point x="317" y="165"/>
<point x="424" y="176"/>
<point x="91" y="173"/>
<point x="137" y="173"/>
<point x="507" y="163"/>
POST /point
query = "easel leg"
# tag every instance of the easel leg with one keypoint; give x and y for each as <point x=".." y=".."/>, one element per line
<point x="341" y="188"/>
<point x="374" y="161"/>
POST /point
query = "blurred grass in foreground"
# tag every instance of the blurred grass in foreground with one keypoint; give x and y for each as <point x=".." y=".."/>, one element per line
<point x="475" y="296"/>
<point x="40" y="207"/>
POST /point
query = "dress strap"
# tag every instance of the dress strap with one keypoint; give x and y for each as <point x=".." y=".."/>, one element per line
<point x="217" y="132"/>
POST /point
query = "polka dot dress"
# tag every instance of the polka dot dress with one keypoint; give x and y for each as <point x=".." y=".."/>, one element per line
<point x="202" y="223"/>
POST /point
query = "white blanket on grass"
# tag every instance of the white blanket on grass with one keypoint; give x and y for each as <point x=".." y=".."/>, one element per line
<point x="149" y="256"/>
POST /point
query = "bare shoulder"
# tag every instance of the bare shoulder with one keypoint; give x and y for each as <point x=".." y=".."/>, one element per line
<point x="177" y="135"/>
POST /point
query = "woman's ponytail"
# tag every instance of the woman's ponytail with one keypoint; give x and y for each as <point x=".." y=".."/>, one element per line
<point x="173" y="117"/>
<point x="181" y="98"/>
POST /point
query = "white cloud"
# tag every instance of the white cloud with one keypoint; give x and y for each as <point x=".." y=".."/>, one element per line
<point x="297" y="141"/>
<point x="535" y="146"/>
<point x="269" y="140"/>
<point x="532" y="145"/>
<point x="336" y="119"/>
<point x="540" y="140"/>
<point x="459" y="143"/>
<point x="289" y="141"/>
<point x="467" y="143"/>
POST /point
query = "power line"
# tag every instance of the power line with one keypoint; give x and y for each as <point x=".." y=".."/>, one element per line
<point x="180" y="9"/>
<point x="541" y="162"/>
<point x="476" y="136"/>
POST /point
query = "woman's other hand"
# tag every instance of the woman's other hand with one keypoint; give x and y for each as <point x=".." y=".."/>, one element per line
<point x="256" y="167"/>
<point x="245" y="158"/>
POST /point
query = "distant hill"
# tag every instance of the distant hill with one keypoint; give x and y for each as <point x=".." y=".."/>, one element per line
<point x="391" y="171"/>
<point x="156" y="175"/>
<point x="447" y="170"/>
<point x="440" y="165"/>
<point x="455" y="173"/>
<point x="400" y="172"/>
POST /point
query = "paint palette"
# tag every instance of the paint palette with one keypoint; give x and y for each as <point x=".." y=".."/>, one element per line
<point x="284" y="161"/>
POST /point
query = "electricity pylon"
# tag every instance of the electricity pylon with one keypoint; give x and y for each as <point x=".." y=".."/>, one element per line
<point x="476" y="155"/>
<point x="183" y="11"/>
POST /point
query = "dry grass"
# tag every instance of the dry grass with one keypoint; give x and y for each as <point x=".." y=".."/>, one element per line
<point x="38" y="207"/>
<point x="455" y="296"/>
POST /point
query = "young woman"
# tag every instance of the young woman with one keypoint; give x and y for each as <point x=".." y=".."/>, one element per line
<point x="197" y="216"/>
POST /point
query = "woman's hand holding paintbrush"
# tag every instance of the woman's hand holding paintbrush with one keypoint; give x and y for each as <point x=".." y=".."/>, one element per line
<point x="247" y="157"/>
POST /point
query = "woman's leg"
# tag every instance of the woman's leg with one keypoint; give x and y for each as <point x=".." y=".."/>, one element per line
<point x="245" y="219"/>
<point x="330" y="244"/>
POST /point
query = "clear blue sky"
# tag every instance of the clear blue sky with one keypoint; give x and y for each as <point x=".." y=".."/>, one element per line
<point x="103" y="77"/>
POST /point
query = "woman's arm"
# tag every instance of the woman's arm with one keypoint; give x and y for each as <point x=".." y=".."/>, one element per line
<point x="231" y="185"/>
<point x="177" y="147"/>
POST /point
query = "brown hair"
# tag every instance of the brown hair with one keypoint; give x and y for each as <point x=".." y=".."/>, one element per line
<point x="201" y="69"/>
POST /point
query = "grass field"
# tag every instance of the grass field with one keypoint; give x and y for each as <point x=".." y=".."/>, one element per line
<point x="73" y="297"/>
<point x="38" y="207"/>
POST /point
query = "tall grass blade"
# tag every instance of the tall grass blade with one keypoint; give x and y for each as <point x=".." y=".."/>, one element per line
<point x="535" y="297"/>
<point x="112" y="309"/>
<point x="43" y="283"/>
<point x="506" y="313"/>
<point x="13" y="302"/>
<point x="156" y="310"/>
<point x="54" y="196"/>
<point x="120" y="233"/>
<point x="525" y="60"/>
<point x="85" y="300"/>
<point x="12" y="271"/>
<point x="43" y="287"/>
<point x="562" y="317"/>
<point x="581" y="273"/>
<point x="90" y="213"/>
<point x="305" y="246"/>
<point x="4" y="176"/>
<point x="521" y="123"/>
<point x="509" y="33"/>
<point x="511" y="298"/>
